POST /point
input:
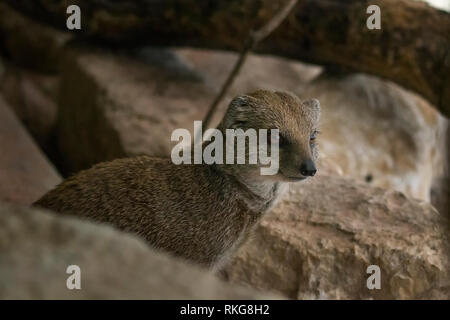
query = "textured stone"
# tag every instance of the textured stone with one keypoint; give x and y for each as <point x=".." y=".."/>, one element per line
<point x="114" y="106"/>
<point x="258" y="72"/>
<point x="374" y="131"/>
<point x="37" y="246"/>
<point x="25" y="172"/>
<point x="318" y="243"/>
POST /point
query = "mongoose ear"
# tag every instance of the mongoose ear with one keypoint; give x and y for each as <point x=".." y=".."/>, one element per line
<point x="313" y="105"/>
<point x="241" y="103"/>
<point x="237" y="111"/>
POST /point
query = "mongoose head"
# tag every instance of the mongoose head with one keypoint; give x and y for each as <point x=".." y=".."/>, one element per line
<point x="296" y="120"/>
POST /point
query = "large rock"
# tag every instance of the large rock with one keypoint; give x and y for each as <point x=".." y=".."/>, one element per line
<point x="318" y="243"/>
<point x="36" y="247"/>
<point x="33" y="97"/>
<point x="375" y="131"/>
<point x="25" y="172"/>
<point x="441" y="293"/>
<point x="113" y="106"/>
<point x="258" y="71"/>
<point x="411" y="49"/>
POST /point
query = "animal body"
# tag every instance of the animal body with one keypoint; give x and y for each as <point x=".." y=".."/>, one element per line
<point x="201" y="212"/>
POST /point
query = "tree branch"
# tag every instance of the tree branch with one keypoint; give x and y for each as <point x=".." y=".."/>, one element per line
<point x="253" y="39"/>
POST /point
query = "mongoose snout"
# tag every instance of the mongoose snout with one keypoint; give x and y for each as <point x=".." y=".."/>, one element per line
<point x="201" y="212"/>
<point x="308" y="168"/>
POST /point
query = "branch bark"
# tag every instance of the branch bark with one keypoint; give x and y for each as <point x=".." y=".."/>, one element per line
<point x="412" y="49"/>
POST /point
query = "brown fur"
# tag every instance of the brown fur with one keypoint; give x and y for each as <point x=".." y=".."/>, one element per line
<point x="200" y="212"/>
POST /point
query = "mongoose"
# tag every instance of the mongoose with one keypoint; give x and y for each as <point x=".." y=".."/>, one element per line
<point x="200" y="212"/>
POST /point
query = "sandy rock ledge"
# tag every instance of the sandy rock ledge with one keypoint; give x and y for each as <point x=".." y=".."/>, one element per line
<point x="319" y="241"/>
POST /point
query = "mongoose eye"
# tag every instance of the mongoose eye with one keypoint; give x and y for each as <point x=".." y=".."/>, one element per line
<point x="313" y="137"/>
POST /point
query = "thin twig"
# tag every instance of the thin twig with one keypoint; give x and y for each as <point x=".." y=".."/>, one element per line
<point x="254" y="38"/>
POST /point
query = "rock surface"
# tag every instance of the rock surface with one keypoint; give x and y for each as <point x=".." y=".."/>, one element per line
<point x="33" y="98"/>
<point x="374" y="131"/>
<point x="440" y="194"/>
<point x="318" y="243"/>
<point x="113" y="106"/>
<point x="25" y="172"/>
<point x="411" y="49"/>
<point x="36" y="247"/>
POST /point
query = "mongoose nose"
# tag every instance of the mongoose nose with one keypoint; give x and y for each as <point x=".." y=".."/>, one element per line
<point x="308" y="168"/>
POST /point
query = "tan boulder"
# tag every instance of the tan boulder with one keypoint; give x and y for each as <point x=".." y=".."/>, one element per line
<point x="373" y="130"/>
<point x="25" y="172"/>
<point x="258" y="72"/>
<point x="37" y="247"/>
<point x="113" y="106"/>
<point x="440" y="194"/>
<point x="33" y="98"/>
<point x="320" y="240"/>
